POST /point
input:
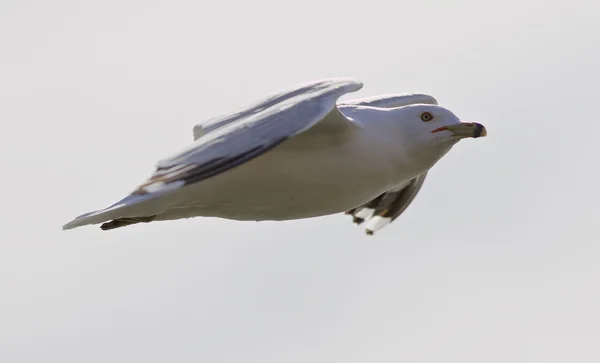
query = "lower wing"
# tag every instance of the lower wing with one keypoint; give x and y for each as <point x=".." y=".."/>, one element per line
<point x="388" y="206"/>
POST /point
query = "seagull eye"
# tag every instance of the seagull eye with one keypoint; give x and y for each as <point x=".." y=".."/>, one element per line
<point x="426" y="117"/>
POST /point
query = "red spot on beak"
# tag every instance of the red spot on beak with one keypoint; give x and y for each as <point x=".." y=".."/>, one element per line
<point x="443" y="128"/>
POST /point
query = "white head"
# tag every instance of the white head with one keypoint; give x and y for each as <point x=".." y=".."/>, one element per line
<point x="429" y="131"/>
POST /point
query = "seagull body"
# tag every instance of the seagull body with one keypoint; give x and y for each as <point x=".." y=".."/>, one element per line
<point x="299" y="154"/>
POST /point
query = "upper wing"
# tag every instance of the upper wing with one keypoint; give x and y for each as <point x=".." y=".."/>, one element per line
<point x="212" y="124"/>
<point x="390" y="101"/>
<point x="235" y="139"/>
<point x="384" y="209"/>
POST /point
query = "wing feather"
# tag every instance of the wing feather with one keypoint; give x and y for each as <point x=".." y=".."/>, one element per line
<point x="392" y="100"/>
<point x="248" y="134"/>
<point x="212" y="124"/>
<point x="388" y="206"/>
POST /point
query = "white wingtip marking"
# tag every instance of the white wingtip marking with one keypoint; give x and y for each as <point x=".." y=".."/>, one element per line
<point x="365" y="213"/>
<point x="376" y="223"/>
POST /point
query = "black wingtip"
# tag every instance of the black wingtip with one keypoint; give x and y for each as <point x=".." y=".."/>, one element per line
<point x="357" y="220"/>
<point x="122" y="222"/>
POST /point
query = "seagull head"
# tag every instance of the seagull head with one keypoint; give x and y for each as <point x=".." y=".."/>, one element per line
<point x="429" y="131"/>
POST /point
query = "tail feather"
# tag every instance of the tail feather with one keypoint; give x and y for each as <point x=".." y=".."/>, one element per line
<point x="132" y="209"/>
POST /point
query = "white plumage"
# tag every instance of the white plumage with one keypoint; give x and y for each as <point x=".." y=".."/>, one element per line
<point x="299" y="154"/>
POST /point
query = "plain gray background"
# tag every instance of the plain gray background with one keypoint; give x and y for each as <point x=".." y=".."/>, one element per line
<point x="496" y="260"/>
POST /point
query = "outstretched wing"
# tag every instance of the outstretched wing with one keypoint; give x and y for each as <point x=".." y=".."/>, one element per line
<point x="232" y="141"/>
<point x="388" y="206"/>
<point x="250" y="133"/>
<point x="212" y="124"/>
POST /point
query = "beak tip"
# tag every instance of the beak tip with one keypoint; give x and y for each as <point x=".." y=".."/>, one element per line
<point x="480" y="131"/>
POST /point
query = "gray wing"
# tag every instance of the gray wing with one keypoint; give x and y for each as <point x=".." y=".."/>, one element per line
<point x="238" y="138"/>
<point x="392" y="100"/>
<point x="212" y="124"/>
<point x="388" y="206"/>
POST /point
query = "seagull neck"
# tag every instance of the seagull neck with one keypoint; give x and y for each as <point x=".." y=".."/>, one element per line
<point x="381" y="135"/>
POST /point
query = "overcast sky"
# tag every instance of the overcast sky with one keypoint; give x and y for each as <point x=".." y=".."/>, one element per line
<point x="495" y="261"/>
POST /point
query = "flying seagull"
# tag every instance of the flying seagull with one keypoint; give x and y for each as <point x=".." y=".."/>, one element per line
<point x="299" y="154"/>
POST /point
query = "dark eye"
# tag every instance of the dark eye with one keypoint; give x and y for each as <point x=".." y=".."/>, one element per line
<point x="426" y="116"/>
